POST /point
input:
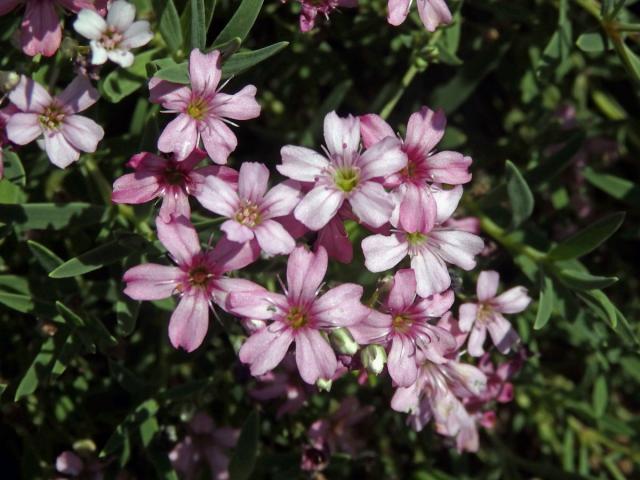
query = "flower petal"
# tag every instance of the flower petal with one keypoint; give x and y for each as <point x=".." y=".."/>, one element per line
<point x="204" y="71"/>
<point x="449" y="167"/>
<point x="180" y="136"/>
<point x="424" y="130"/>
<point x="341" y="134"/>
<point x="487" y="285"/>
<point x="151" y="281"/>
<point x="318" y="207"/>
<point x="403" y="291"/>
<point x="137" y="35"/>
<point x="79" y="95"/>
<point x="371" y="204"/>
<point x="314" y="356"/>
<point x="300" y="163"/>
<point x="382" y="253"/>
<point x="467" y="313"/>
<point x="437" y="304"/>
<point x="514" y="300"/>
<point x="253" y="181"/>
<point x="402" y="361"/>
<point x="236" y="232"/>
<point x="265" y="349"/>
<point x="475" y="344"/>
<point x="60" y="152"/>
<point x="82" y="132"/>
<point x="219" y="197"/>
<point x="456" y="247"/>
<point x="432" y="275"/>
<point x="30" y="96"/>
<point x="228" y="255"/>
<point x="340" y="306"/>
<point x="384" y="158"/>
<point x="190" y="321"/>
<point x="446" y="202"/>
<point x="124" y="58"/>
<point x="305" y="272"/>
<point x="134" y="188"/>
<point x="23" y="128"/>
<point x="180" y="238"/>
<point x="373" y="129"/>
<point x="333" y="237"/>
<point x="281" y="199"/>
<point x="273" y="238"/>
<point x="239" y="106"/>
<point x="89" y="24"/>
<point x="40" y="30"/>
<point x="121" y="15"/>
<point x="219" y="141"/>
<point x="397" y="11"/>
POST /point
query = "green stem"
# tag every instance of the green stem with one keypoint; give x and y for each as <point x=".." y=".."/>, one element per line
<point x="404" y="83"/>
<point x="628" y="27"/>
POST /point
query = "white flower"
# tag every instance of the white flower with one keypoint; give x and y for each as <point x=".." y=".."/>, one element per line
<point x="112" y="39"/>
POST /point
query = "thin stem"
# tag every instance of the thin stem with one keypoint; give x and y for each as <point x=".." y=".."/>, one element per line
<point x="404" y="83"/>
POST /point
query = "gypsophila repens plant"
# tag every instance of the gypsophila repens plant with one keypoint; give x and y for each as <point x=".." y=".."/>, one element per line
<point x="319" y="239"/>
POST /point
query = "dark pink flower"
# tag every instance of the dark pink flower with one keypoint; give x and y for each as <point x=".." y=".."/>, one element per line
<point x="202" y="109"/>
<point x="169" y="179"/>
<point x="197" y="278"/>
<point x="298" y="316"/>
<point x="312" y="8"/>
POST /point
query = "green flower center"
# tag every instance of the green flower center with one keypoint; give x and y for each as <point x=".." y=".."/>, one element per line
<point x="297" y="318"/>
<point x="346" y="179"/>
<point x="416" y="238"/>
<point x="197" y="108"/>
<point x="248" y="214"/>
<point x="52" y="117"/>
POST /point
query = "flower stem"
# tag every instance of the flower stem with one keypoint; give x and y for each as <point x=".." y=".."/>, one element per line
<point x="404" y="83"/>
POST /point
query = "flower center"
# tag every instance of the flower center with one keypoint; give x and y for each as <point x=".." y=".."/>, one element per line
<point x="401" y="323"/>
<point x="410" y="170"/>
<point x="174" y="176"/>
<point x="52" y="117"/>
<point x="346" y="179"/>
<point x="484" y="313"/>
<point x="297" y="318"/>
<point x="199" y="277"/>
<point x="416" y="239"/>
<point x="197" y="108"/>
<point x="111" y="38"/>
<point x="248" y="214"/>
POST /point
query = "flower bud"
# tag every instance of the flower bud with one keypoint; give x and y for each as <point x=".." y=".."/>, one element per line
<point x="343" y="342"/>
<point x="85" y="445"/>
<point x="8" y="80"/>
<point x="324" y="384"/>
<point x="373" y="358"/>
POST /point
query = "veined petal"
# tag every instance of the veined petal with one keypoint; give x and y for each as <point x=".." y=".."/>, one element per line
<point x="29" y="96"/>
<point x="456" y="247"/>
<point x="433" y="13"/>
<point x="99" y="55"/>
<point x="151" y="281"/>
<point x="190" y="321"/>
<point x="373" y="329"/>
<point x="180" y="238"/>
<point x="425" y="129"/>
<point x="382" y="159"/>
<point x="487" y="285"/>
<point x="255" y="302"/>
<point x="318" y="207"/>
<point x="403" y="291"/>
<point x="431" y="272"/>
<point x="340" y="306"/>
<point x="23" y="128"/>
<point x="253" y="181"/>
<point x="219" y="141"/>
<point x="219" y="197"/>
<point x="371" y="204"/>
<point x="402" y="361"/>
<point x="467" y="313"/>
<point x="514" y="300"/>
<point x="79" y="95"/>
<point x="89" y="24"/>
<point x="265" y="349"/>
<point x="134" y="188"/>
<point x="449" y="167"/>
<point x="124" y="58"/>
<point x="475" y="344"/>
<point x="382" y="253"/>
<point x="228" y="255"/>
<point x="437" y="304"/>
<point x="281" y="199"/>
<point x="397" y="11"/>
<point x="300" y="163"/>
<point x="446" y="202"/>
<point x="172" y="96"/>
<point x="417" y="211"/>
<point x="137" y="35"/>
<point x="40" y="29"/>
<point x="236" y="232"/>
<point x="59" y="150"/>
<point x="82" y="132"/>
<point x="239" y="106"/>
<point x="121" y="15"/>
<point x="341" y="134"/>
<point x="180" y="136"/>
<point x="273" y="238"/>
<point x="373" y="129"/>
<point x="305" y="272"/>
<point x="314" y="356"/>
<point x="204" y="71"/>
<point x="333" y="237"/>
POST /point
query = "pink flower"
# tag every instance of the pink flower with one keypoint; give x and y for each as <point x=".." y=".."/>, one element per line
<point x="298" y="316"/>
<point x="405" y="324"/>
<point x="487" y="314"/>
<point x="344" y="175"/>
<point x="251" y="209"/>
<point x="432" y="12"/>
<point x="421" y="235"/>
<point x="438" y="393"/>
<point x="71" y="465"/>
<point x="425" y="129"/>
<point x="312" y="8"/>
<point x="40" y="28"/>
<point x="169" y="179"/>
<point x="202" y="109"/>
<point x="197" y="278"/>
<point x="65" y="133"/>
<point x="205" y="444"/>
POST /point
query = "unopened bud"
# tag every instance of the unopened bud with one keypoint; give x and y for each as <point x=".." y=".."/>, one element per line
<point x="343" y="342"/>
<point x="373" y="358"/>
<point x="84" y="446"/>
<point x="324" y="384"/>
<point x="8" y="80"/>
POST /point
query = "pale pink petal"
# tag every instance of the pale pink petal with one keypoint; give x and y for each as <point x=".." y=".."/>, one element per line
<point x="318" y="207"/>
<point x="23" y="128"/>
<point x="514" y="300"/>
<point x="124" y="58"/>
<point x="281" y="199"/>
<point x="457" y="247"/>
<point x="219" y="141"/>
<point x="397" y="11"/>
<point x="236" y="232"/>
<point x="204" y="71"/>
<point x="190" y="321"/>
<point x="82" y="132"/>
<point x="432" y="275"/>
<point x="89" y="24"/>
<point x="59" y="150"/>
<point x="437" y="304"/>
<point x="180" y="238"/>
<point x="402" y="361"/>
<point x="502" y="333"/>
<point x="79" y="95"/>
<point x="265" y="349"/>
<point x="371" y="204"/>
<point x="30" y="96"/>
<point x="40" y="29"/>
<point x="305" y="271"/>
<point x="333" y="237"/>
<point x="341" y="134"/>
<point x="373" y="129"/>
<point x="228" y="255"/>
<point x="449" y="167"/>
<point x="382" y="253"/>
<point x="433" y="13"/>
<point x="137" y="35"/>
<point x="418" y="211"/>
<point x="314" y="356"/>
<point x="424" y="130"/>
<point x="172" y="96"/>
<point x="219" y="197"/>
<point x="253" y="181"/>
<point x="151" y="281"/>
<point x="467" y="314"/>
<point x="446" y="202"/>
<point x="68" y="463"/>
<point x="121" y="15"/>
<point x="223" y="287"/>
<point x="134" y="188"/>
<point x="384" y="158"/>
<point x="174" y="203"/>
<point x="300" y="163"/>
<point x="254" y="301"/>
<point x="487" y="285"/>
<point x="340" y="306"/>
<point x="373" y="329"/>
<point x="451" y="325"/>
<point x="273" y="238"/>
<point x="180" y="136"/>
<point x="406" y="399"/>
<point x="436" y="343"/>
<point x="476" y="341"/>
<point x="239" y="106"/>
<point x="403" y="291"/>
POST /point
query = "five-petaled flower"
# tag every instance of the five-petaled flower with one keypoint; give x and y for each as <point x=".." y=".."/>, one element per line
<point x="202" y="109"/>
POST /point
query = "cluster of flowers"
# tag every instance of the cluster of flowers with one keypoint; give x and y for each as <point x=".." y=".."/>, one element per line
<point x="393" y="187"/>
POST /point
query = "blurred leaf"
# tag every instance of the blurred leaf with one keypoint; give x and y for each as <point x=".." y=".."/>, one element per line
<point x="198" y="28"/>
<point x="600" y="396"/>
<point x="545" y="303"/>
<point x="631" y="61"/>
<point x="161" y="463"/>
<point x="175" y="72"/>
<point x="110" y="252"/>
<point x="246" y="452"/>
<point x="24" y="303"/>
<point x="600" y="305"/>
<point x="587" y="239"/>
<point x="246" y="59"/>
<point x="332" y="102"/>
<point x="617" y="187"/>
<point x="37" y="216"/>
<point x="585" y="281"/>
<point x="520" y="196"/>
<point x="140" y="414"/>
<point x="45" y="257"/>
<point x="168" y="23"/>
<point x="559" y="46"/>
<point x="126" y="315"/>
<point x="592" y="42"/>
<point x="93" y="326"/>
<point x="121" y="83"/>
<point x="13" y="169"/>
<point x="241" y="22"/>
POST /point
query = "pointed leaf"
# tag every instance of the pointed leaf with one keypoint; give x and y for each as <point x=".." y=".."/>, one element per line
<point x="585" y="281"/>
<point x="241" y="22"/>
<point x="588" y="239"/>
<point x="546" y="302"/>
<point x="520" y="196"/>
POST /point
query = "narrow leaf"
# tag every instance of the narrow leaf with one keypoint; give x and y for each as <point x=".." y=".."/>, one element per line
<point x="38" y="216"/>
<point x="545" y="303"/>
<point x="241" y="22"/>
<point x="619" y="188"/>
<point x="588" y="239"/>
<point x="46" y="258"/>
<point x="600" y="396"/>
<point x="198" y="24"/>
<point x="520" y="195"/>
<point x="168" y="23"/>
<point x="585" y="281"/>
<point x="243" y="60"/>
<point x="41" y="366"/>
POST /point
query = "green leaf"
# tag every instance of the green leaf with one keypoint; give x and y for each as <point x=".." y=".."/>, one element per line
<point x="241" y="22"/>
<point x="38" y="216"/>
<point x="588" y="239"/>
<point x="168" y="24"/>
<point x="592" y="42"/>
<point x="25" y="303"/>
<point x="176" y="73"/>
<point x="126" y="316"/>
<point x="140" y="414"/>
<point x="559" y="46"/>
<point x="121" y="83"/>
<point x="246" y="452"/>
<point x="619" y="188"/>
<point x="13" y="169"/>
<point x="198" y="29"/>
<point x="45" y="257"/>
<point x="600" y="305"/>
<point x="89" y="325"/>
<point x="546" y="303"/>
<point x="106" y="254"/>
<point x="600" y="396"/>
<point x="243" y="60"/>
<point x="585" y="281"/>
<point x="161" y="463"/>
<point x="520" y="196"/>
<point x="631" y="61"/>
